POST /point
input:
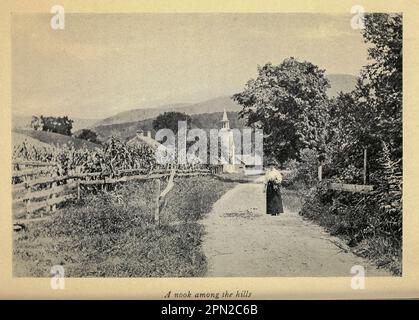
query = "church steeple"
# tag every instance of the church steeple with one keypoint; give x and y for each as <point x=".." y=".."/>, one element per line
<point x="225" y="122"/>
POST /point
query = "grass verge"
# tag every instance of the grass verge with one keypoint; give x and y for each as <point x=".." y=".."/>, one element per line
<point x="112" y="234"/>
<point x="357" y="219"/>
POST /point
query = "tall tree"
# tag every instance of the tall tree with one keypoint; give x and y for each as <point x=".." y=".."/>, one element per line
<point x="169" y="120"/>
<point x="61" y="125"/>
<point x="36" y="123"/>
<point x="372" y="114"/>
<point x="289" y="102"/>
<point x="380" y="89"/>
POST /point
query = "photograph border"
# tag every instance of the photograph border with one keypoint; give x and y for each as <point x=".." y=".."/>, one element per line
<point x="406" y="286"/>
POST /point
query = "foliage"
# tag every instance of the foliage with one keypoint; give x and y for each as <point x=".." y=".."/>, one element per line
<point x="303" y="173"/>
<point x="372" y="114"/>
<point x="370" y="117"/>
<point x="381" y="83"/>
<point x="169" y="120"/>
<point x="308" y="166"/>
<point x="88" y="135"/>
<point x="114" y="155"/>
<point x="61" y="125"/>
<point x="289" y="103"/>
<point x="36" y="123"/>
<point x="388" y="197"/>
<point x="360" y="220"/>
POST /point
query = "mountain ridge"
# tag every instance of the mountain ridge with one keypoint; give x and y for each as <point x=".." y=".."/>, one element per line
<point x="339" y="82"/>
<point x="217" y="104"/>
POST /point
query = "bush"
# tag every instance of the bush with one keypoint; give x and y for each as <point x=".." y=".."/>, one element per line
<point x="89" y="135"/>
<point x="303" y="174"/>
<point x="360" y="220"/>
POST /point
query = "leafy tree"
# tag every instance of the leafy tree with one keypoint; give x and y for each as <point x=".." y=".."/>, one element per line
<point x="169" y="120"/>
<point x="61" y="125"/>
<point x="369" y="117"/>
<point x="350" y="131"/>
<point x="36" y="123"/>
<point x="88" y="135"/>
<point x="289" y="102"/>
<point x="380" y="89"/>
<point x="372" y="114"/>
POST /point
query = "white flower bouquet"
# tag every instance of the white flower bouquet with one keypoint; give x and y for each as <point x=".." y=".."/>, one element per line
<point x="273" y="176"/>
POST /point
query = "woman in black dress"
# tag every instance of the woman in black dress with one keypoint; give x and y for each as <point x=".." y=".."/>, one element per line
<point x="273" y="192"/>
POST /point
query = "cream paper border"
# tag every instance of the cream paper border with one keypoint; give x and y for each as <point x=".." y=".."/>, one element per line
<point x="406" y="286"/>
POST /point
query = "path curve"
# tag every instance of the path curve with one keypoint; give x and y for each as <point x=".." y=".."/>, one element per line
<point x="242" y="241"/>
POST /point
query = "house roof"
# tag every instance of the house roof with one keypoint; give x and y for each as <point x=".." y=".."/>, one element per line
<point x="141" y="139"/>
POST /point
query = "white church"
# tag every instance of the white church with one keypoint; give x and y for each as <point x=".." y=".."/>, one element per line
<point x="232" y="162"/>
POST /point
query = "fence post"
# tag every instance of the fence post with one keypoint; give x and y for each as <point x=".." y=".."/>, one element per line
<point x="365" y="166"/>
<point x="28" y="201"/>
<point x="320" y="172"/>
<point x="78" y="189"/>
<point x="157" y="209"/>
<point x="53" y="195"/>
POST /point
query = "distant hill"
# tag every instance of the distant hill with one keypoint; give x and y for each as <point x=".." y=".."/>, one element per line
<point x="52" y="138"/>
<point x="128" y="130"/>
<point x="205" y="114"/>
<point x="209" y="106"/>
<point x="139" y="114"/>
<point x="19" y="138"/>
<point x="80" y="123"/>
<point x="24" y="122"/>
<point x="340" y="82"/>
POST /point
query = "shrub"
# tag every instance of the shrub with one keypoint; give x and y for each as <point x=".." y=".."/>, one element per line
<point x="303" y="174"/>
<point x="369" y="223"/>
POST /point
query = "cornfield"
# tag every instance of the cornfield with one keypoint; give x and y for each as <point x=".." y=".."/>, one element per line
<point x="112" y="157"/>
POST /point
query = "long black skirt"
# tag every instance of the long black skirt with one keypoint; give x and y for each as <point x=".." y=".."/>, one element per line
<point x="273" y="200"/>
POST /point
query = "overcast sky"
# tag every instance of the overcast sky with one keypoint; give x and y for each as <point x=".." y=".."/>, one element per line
<point x="102" y="64"/>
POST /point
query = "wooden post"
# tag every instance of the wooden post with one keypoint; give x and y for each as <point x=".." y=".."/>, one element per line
<point x="27" y="180"/>
<point x="28" y="202"/>
<point x="157" y="209"/>
<point x="78" y="189"/>
<point x="365" y="167"/>
<point x="53" y="196"/>
<point x="320" y="172"/>
<point x="161" y="197"/>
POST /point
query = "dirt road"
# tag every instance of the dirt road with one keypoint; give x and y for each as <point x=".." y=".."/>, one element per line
<point x="242" y="240"/>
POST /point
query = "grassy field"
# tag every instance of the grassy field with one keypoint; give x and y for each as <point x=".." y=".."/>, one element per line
<point x="19" y="138"/>
<point x="112" y="234"/>
<point x="51" y="138"/>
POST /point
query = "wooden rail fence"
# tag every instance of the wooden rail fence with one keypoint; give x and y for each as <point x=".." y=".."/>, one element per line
<point x="36" y="187"/>
<point x="354" y="188"/>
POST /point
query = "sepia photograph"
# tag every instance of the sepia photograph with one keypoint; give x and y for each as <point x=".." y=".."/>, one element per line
<point x="178" y="145"/>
